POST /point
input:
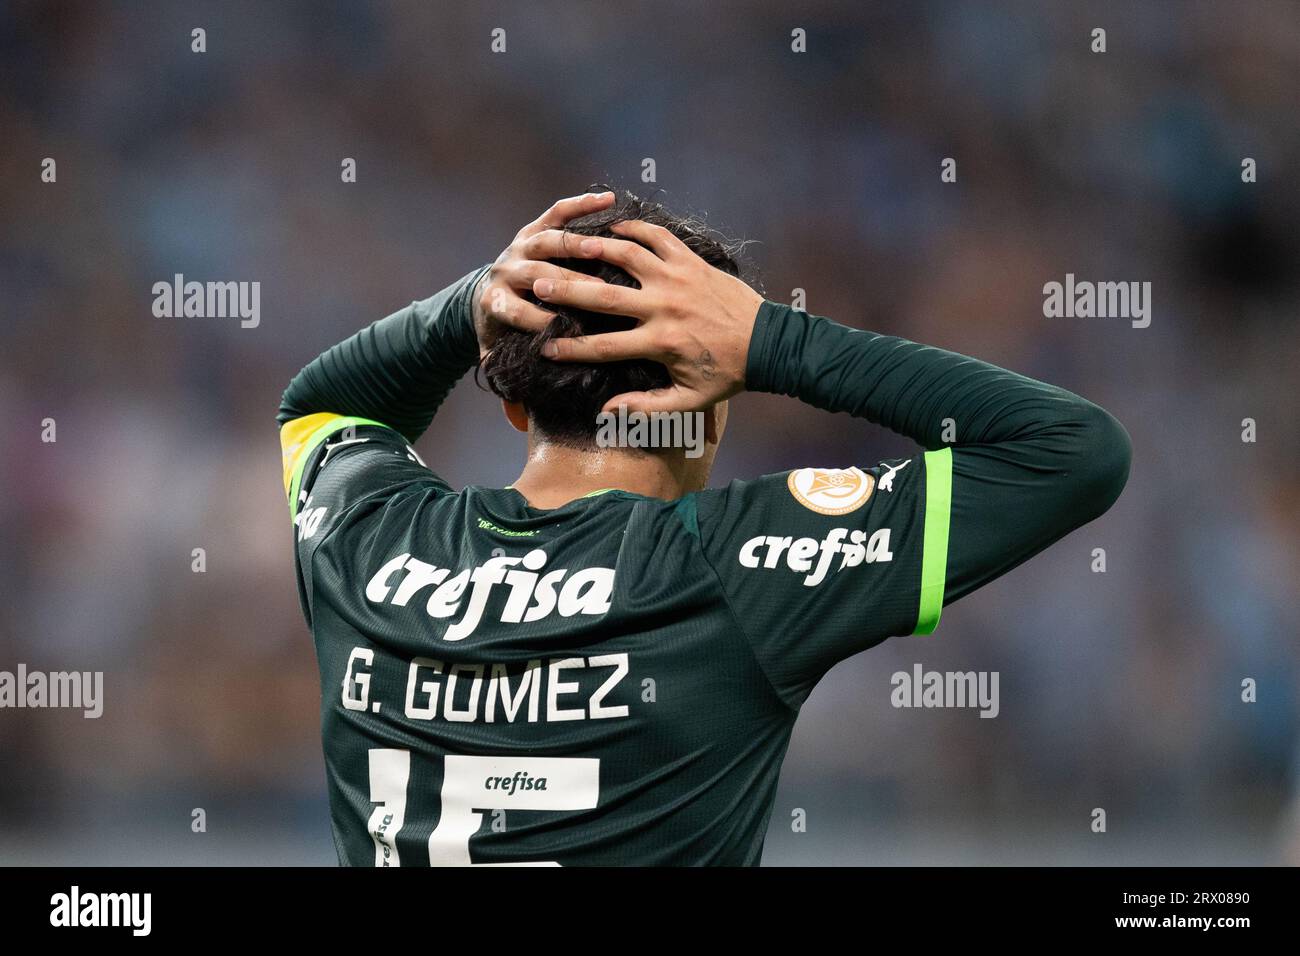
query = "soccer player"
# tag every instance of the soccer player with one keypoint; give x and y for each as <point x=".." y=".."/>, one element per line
<point x="603" y="663"/>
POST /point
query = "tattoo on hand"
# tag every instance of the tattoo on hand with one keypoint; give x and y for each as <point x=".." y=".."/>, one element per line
<point x="706" y="366"/>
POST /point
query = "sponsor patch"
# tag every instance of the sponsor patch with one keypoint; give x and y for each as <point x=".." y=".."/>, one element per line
<point x="831" y="491"/>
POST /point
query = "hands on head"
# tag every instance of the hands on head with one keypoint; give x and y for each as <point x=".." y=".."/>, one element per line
<point x="498" y="301"/>
<point x="692" y="318"/>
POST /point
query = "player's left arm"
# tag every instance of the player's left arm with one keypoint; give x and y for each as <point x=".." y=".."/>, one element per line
<point x="379" y="388"/>
<point x="369" y="398"/>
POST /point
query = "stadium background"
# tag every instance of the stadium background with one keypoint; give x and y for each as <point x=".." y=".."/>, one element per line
<point x="1119" y="690"/>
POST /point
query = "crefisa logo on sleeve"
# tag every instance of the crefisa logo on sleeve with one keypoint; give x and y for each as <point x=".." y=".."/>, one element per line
<point x="831" y="491"/>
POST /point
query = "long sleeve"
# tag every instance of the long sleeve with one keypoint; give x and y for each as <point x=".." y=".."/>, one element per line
<point x="396" y="371"/>
<point x="820" y="563"/>
<point x="1030" y="461"/>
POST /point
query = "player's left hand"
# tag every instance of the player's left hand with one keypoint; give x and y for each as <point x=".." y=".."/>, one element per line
<point x="497" y="300"/>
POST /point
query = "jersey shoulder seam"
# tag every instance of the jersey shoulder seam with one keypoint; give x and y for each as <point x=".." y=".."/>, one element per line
<point x="390" y="492"/>
<point x="698" y="535"/>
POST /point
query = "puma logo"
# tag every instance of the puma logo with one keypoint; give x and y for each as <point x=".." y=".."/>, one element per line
<point x="887" y="479"/>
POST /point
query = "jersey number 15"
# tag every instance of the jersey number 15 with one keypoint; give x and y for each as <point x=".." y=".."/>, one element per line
<point x="471" y="785"/>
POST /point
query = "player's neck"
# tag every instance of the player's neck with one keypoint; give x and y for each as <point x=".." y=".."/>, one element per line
<point x="555" y="475"/>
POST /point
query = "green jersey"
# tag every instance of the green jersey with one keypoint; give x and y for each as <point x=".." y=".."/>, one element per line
<point x="612" y="681"/>
<point x="615" y="681"/>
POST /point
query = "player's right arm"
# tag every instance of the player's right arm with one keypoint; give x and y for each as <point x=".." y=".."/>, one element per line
<point x="1028" y="462"/>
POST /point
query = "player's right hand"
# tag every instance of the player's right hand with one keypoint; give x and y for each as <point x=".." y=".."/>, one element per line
<point x="497" y="300"/>
<point x="693" y="318"/>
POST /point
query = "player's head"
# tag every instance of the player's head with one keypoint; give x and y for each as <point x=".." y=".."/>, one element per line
<point x="559" y="403"/>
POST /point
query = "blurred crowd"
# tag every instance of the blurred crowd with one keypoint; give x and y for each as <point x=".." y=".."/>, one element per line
<point x="1120" y="690"/>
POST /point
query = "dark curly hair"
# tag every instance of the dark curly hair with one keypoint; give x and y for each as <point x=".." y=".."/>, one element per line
<point x="564" y="398"/>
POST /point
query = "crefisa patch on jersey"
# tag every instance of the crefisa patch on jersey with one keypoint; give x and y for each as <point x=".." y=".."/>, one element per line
<point x="831" y="491"/>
